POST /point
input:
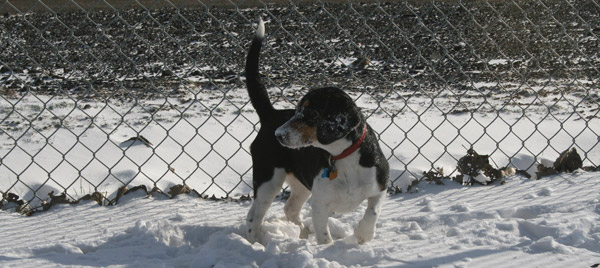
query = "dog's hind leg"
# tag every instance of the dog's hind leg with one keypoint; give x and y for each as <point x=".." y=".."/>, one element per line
<point x="294" y="204"/>
<point x="365" y="231"/>
<point x="265" y="194"/>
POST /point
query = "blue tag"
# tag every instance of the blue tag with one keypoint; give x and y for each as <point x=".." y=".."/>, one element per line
<point x="325" y="173"/>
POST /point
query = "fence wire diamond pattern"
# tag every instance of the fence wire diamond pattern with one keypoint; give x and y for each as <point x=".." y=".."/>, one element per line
<point x="97" y="95"/>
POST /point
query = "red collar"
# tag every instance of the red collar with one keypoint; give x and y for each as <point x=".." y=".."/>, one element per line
<point x="353" y="147"/>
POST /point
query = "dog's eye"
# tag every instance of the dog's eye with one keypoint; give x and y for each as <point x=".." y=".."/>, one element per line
<point x="310" y="117"/>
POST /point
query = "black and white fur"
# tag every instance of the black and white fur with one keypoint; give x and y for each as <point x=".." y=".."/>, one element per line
<point x="295" y="146"/>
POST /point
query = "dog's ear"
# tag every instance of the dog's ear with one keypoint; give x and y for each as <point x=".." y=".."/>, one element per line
<point x="335" y="126"/>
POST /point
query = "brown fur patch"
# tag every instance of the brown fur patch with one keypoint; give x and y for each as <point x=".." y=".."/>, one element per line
<point x="308" y="134"/>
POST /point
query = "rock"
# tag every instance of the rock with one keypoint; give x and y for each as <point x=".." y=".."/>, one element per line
<point x="167" y="73"/>
<point x="591" y="168"/>
<point x="55" y="199"/>
<point x="436" y="176"/>
<point x="96" y="196"/>
<point x="123" y="191"/>
<point x="133" y="140"/>
<point x="568" y="161"/>
<point x="179" y="189"/>
<point x="523" y="173"/>
<point x="544" y="171"/>
<point x="472" y="163"/>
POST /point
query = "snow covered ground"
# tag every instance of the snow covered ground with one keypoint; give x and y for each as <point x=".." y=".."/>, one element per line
<point x="63" y="144"/>
<point x="60" y="137"/>
<point x="553" y="222"/>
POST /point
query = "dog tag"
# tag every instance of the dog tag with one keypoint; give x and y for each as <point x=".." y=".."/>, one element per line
<point x="333" y="173"/>
<point x="330" y="173"/>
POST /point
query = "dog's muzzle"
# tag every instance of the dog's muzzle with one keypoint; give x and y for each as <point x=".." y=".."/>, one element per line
<point x="282" y="134"/>
<point x="289" y="136"/>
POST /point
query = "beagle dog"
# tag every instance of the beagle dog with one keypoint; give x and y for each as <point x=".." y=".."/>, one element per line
<point x="323" y="148"/>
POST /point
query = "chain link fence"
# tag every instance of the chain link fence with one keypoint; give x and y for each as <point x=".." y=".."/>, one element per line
<point x="96" y="95"/>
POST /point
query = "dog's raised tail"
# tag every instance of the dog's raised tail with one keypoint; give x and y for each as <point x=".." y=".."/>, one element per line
<point x="256" y="89"/>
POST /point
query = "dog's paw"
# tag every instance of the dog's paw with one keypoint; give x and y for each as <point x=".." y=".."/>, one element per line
<point x="364" y="233"/>
<point x="254" y="235"/>
<point x="324" y="239"/>
<point x="304" y="232"/>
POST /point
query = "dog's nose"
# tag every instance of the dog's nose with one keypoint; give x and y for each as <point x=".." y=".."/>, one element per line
<point x="281" y="136"/>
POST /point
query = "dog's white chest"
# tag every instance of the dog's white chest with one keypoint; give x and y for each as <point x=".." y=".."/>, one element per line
<point x="349" y="189"/>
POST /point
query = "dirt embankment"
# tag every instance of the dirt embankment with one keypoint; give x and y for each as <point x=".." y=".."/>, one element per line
<point x="422" y="46"/>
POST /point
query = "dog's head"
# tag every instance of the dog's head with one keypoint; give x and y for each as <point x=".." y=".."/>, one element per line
<point x="323" y="116"/>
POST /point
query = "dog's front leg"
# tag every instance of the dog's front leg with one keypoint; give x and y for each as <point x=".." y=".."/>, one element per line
<point x="264" y="197"/>
<point x="299" y="195"/>
<point x="365" y="231"/>
<point x="320" y="217"/>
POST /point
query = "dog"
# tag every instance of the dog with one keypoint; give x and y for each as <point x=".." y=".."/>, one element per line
<point x="324" y="147"/>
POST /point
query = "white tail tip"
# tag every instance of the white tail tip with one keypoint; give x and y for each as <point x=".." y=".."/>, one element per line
<point x="260" y="31"/>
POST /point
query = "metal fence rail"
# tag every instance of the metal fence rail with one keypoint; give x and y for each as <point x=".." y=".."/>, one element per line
<point x="83" y="83"/>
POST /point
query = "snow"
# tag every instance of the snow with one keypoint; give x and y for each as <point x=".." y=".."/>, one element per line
<point x="498" y="62"/>
<point x="209" y="136"/>
<point x="551" y="222"/>
<point x="483" y="226"/>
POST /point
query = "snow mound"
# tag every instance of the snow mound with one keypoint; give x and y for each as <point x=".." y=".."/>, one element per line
<point x="469" y="226"/>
